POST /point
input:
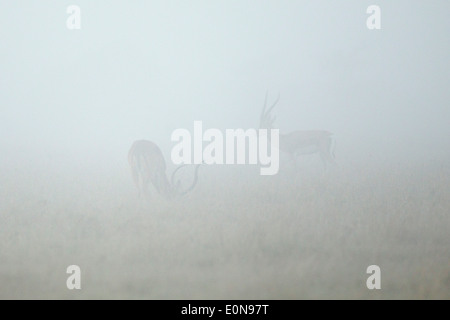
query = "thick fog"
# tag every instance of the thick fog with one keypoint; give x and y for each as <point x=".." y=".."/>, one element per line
<point x="72" y="102"/>
<point x="142" y="70"/>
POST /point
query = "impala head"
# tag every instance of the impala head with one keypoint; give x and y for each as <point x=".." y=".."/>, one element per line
<point x="266" y="120"/>
<point x="149" y="166"/>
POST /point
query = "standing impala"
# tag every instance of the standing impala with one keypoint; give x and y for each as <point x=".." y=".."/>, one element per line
<point x="148" y="165"/>
<point x="300" y="142"/>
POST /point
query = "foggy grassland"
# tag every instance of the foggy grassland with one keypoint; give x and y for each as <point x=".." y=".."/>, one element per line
<point x="302" y="234"/>
<point x="73" y="101"/>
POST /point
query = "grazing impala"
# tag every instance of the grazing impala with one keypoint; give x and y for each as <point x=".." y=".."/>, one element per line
<point x="300" y="142"/>
<point x="148" y="165"/>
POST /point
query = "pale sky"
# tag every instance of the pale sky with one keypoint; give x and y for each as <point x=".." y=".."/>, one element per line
<point x="141" y="69"/>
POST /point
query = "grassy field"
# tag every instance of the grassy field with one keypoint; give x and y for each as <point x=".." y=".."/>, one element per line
<point x="238" y="235"/>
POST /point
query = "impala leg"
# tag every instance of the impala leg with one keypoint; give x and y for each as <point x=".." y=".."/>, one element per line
<point x="326" y="155"/>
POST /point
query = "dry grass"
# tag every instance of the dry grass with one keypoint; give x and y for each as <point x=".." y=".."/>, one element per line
<point x="237" y="236"/>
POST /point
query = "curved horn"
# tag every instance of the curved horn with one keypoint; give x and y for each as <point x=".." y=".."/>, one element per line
<point x="273" y="105"/>
<point x="265" y="115"/>
<point x="264" y="108"/>
<point x="177" y="184"/>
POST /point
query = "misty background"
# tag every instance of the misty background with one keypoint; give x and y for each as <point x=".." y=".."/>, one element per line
<point x="142" y="70"/>
<point x="73" y="101"/>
